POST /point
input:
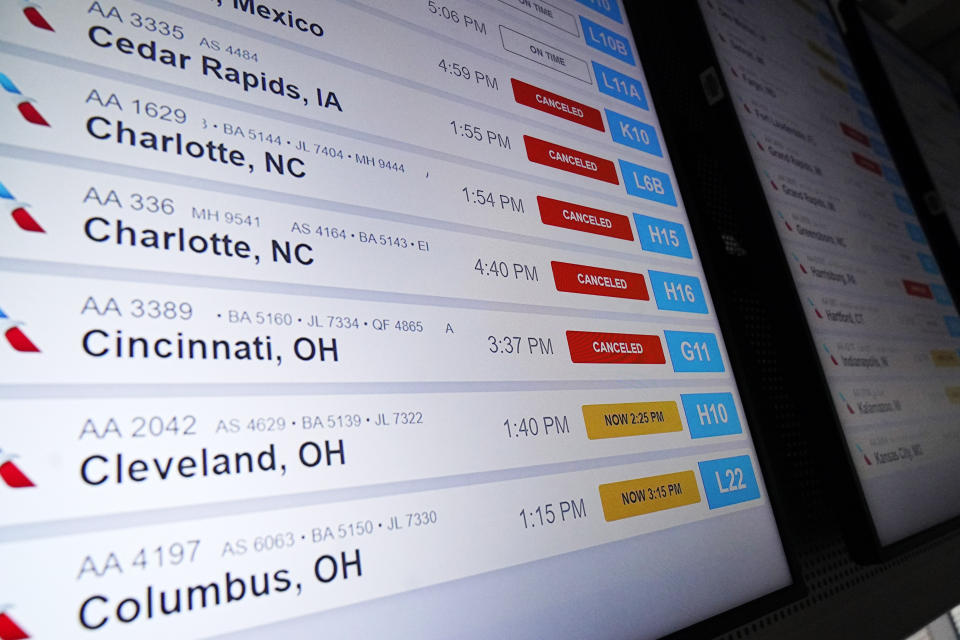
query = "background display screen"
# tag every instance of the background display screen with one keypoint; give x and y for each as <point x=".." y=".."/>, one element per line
<point x="931" y="112"/>
<point x="883" y="323"/>
<point x="365" y="317"/>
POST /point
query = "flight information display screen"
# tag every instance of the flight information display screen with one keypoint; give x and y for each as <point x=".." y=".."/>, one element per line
<point x="366" y="317"/>
<point x="931" y="111"/>
<point x="883" y="323"/>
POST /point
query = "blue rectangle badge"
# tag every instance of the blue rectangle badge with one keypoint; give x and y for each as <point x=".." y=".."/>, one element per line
<point x="729" y="481"/>
<point x="648" y="184"/>
<point x="941" y="294"/>
<point x="880" y="148"/>
<point x="858" y="96"/>
<point x="620" y="86"/>
<point x="675" y="292"/>
<point x="928" y="263"/>
<point x="609" y="8"/>
<point x="846" y="70"/>
<point x="633" y="133"/>
<point x="662" y="236"/>
<point x="953" y="325"/>
<point x="869" y="121"/>
<point x="903" y="203"/>
<point x="890" y="175"/>
<point x="694" y="352"/>
<point x="711" y="414"/>
<point x="915" y="233"/>
<point x="607" y="41"/>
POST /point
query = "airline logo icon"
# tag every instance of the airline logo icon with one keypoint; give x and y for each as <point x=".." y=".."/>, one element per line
<point x="798" y="262"/>
<point x="789" y="228"/>
<point x="815" y="310"/>
<point x="15" y="335"/>
<point x="865" y="456"/>
<point x="33" y="15"/>
<point x="13" y="477"/>
<point x="832" y="359"/>
<point x="10" y="630"/>
<point x="772" y="183"/>
<point x="849" y="408"/>
<point x="24" y="104"/>
<point x="18" y="211"/>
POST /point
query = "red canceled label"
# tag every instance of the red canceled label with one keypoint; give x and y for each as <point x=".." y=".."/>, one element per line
<point x="558" y="213"/>
<point x="555" y="104"/>
<point x="859" y="136"/>
<point x="867" y="163"/>
<point x="567" y="159"/>
<point x="614" y="348"/>
<point x="918" y="289"/>
<point x="579" y="278"/>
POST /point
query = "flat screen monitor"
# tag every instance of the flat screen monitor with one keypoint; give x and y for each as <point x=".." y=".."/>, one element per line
<point x="931" y="111"/>
<point x="375" y="319"/>
<point x="880" y="316"/>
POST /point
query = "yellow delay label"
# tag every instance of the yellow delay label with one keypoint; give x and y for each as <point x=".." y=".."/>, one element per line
<point x="645" y="495"/>
<point x="820" y="51"/>
<point x="631" y="419"/>
<point x="832" y="79"/>
<point x="953" y="394"/>
<point x="945" y="358"/>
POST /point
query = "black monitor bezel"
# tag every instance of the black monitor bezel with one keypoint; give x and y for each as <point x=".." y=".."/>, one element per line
<point x="741" y="614"/>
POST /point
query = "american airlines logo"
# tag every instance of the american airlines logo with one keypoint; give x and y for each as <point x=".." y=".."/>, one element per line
<point x="35" y="17"/>
<point x="18" y="211"/>
<point x="849" y="408"/>
<point x="10" y="630"/>
<point x="15" y="336"/>
<point x="24" y="104"/>
<point x="12" y="475"/>
<point x="789" y="228"/>
<point x="832" y="358"/>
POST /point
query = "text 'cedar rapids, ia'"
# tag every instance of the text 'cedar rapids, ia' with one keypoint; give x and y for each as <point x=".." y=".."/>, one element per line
<point x="210" y="68"/>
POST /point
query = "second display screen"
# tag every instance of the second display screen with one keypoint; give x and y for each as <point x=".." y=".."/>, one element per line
<point x="883" y="323"/>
